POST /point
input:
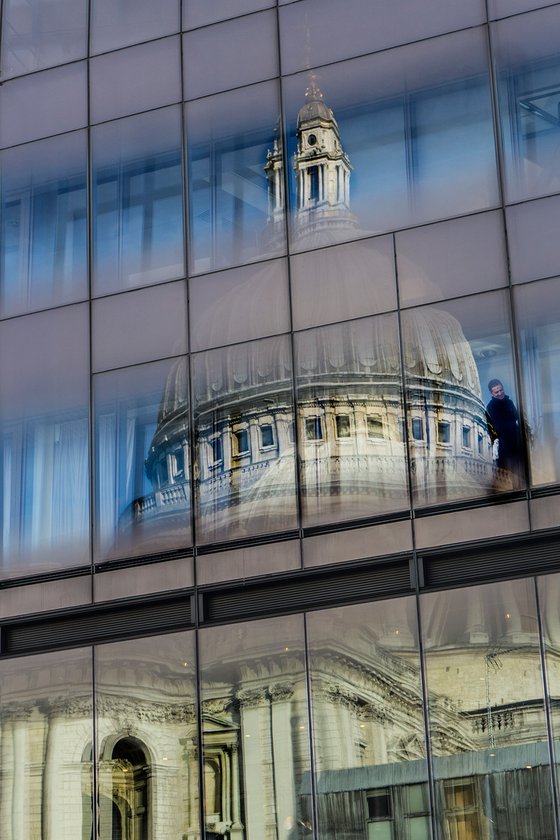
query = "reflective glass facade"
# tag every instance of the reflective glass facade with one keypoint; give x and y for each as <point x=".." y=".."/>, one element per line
<point x="279" y="419"/>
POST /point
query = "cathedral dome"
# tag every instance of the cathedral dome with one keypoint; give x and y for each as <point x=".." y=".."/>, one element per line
<point x="314" y="110"/>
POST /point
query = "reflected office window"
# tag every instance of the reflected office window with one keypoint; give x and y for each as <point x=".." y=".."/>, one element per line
<point x="137" y="201"/>
<point x="142" y="459"/>
<point x="369" y="759"/>
<point x="538" y="319"/>
<point x="235" y="178"/>
<point x="379" y="142"/>
<point x="44" y="439"/>
<point x="44" y="224"/>
<point x="460" y="385"/>
<point x="528" y="73"/>
<point x="39" y="35"/>
<point x="486" y="709"/>
<point x="352" y="457"/>
<point x="244" y="403"/>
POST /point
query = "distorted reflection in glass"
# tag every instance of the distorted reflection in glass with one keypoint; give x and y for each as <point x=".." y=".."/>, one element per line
<point x="245" y="470"/>
<point x="379" y="143"/>
<point x="538" y="320"/>
<point x="142" y="459"/>
<point x="528" y="74"/>
<point x="146" y="733"/>
<point x="368" y="724"/>
<point x="235" y="161"/>
<point x="39" y="35"/>
<point x="44" y="228"/>
<point x="137" y="201"/>
<point x="350" y="411"/>
<point x="487" y="717"/>
<point x="44" y="430"/>
<point x="465" y="430"/>
<point x="46" y="746"/>
<point x="549" y="606"/>
<point x="255" y="733"/>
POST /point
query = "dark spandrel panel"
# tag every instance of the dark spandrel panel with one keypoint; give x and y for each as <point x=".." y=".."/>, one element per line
<point x="135" y="79"/>
<point x="44" y="437"/>
<point x="147" y="745"/>
<point x="139" y="326"/>
<point x="254" y="723"/>
<point x="317" y="32"/>
<point x="137" y="201"/>
<point x="44" y="225"/>
<point x="245" y="469"/>
<point x="537" y="307"/>
<point x="235" y="166"/>
<point x="534" y="247"/>
<point x="46" y="103"/>
<point x="465" y="430"/>
<point x="120" y="23"/>
<point x="380" y="142"/>
<point x="215" y="57"/>
<point x="239" y="304"/>
<point x="39" y="35"/>
<point x="527" y="59"/>
<point x="350" y="408"/>
<point x="142" y="462"/>
<point x="368" y="722"/>
<point x="202" y="12"/>
<point x="486" y="711"/>
<point x="453" y="258"/>
<point x="46" y="725"/>
<point x="343" y="282"/>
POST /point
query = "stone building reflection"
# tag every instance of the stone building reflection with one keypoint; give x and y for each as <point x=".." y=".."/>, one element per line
<point x="485" y="714"/>
<point x="350" y="393"/>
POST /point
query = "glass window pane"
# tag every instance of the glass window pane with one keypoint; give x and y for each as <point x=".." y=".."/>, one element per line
<point x="39" y="35"/>
<point x="137" y="201"/>
<point x="235" y="164"/>
<point x="255" y="733"/>
<point x="503" y="8"/>
<point x="533" y="243"/>
<point x="549" y="605"/>
<point x="240" y="494"/>
<point x="135" y="79"/>
<point x="465" y="430"/>
<point x="487" y="717"/>
<point x="527" y="60"/>
<point x="139" y="326"/>
<point x="118" y="23"/>
<point x="46" y="726"/>
<point x="451" y="258"/>
<point x="147" y="742"/>
<point x="351" y="369"/>
<point x="44" y="436"/>
<point x="343" y="282"/>
<point x="538" y="318"/>
<point x="44" y="225"/>
<point x="239" y="304"/>
<point x="201" y="12"/>
<point x="368" y="724"/>
<point x="46" y="103"/>
<point x="142" y="459"/>
<point x="308" y="28"/>
<point x="390" y="145"/>
<point x="232" y="42"/>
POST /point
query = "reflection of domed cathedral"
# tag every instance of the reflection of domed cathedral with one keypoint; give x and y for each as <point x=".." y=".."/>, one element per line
<point x="348" y="379"/>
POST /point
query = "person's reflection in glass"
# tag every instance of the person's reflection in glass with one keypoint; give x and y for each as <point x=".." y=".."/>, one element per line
<point x="505" y="431"/>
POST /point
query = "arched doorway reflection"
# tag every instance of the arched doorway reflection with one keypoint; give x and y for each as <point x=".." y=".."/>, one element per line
<point x="125" y="814"/>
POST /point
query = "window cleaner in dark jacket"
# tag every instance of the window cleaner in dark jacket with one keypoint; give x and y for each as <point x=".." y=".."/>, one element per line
<point x="504" y="427"/>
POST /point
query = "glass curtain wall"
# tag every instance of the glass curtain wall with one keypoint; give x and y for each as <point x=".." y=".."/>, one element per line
<point x="378" y="763"/>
